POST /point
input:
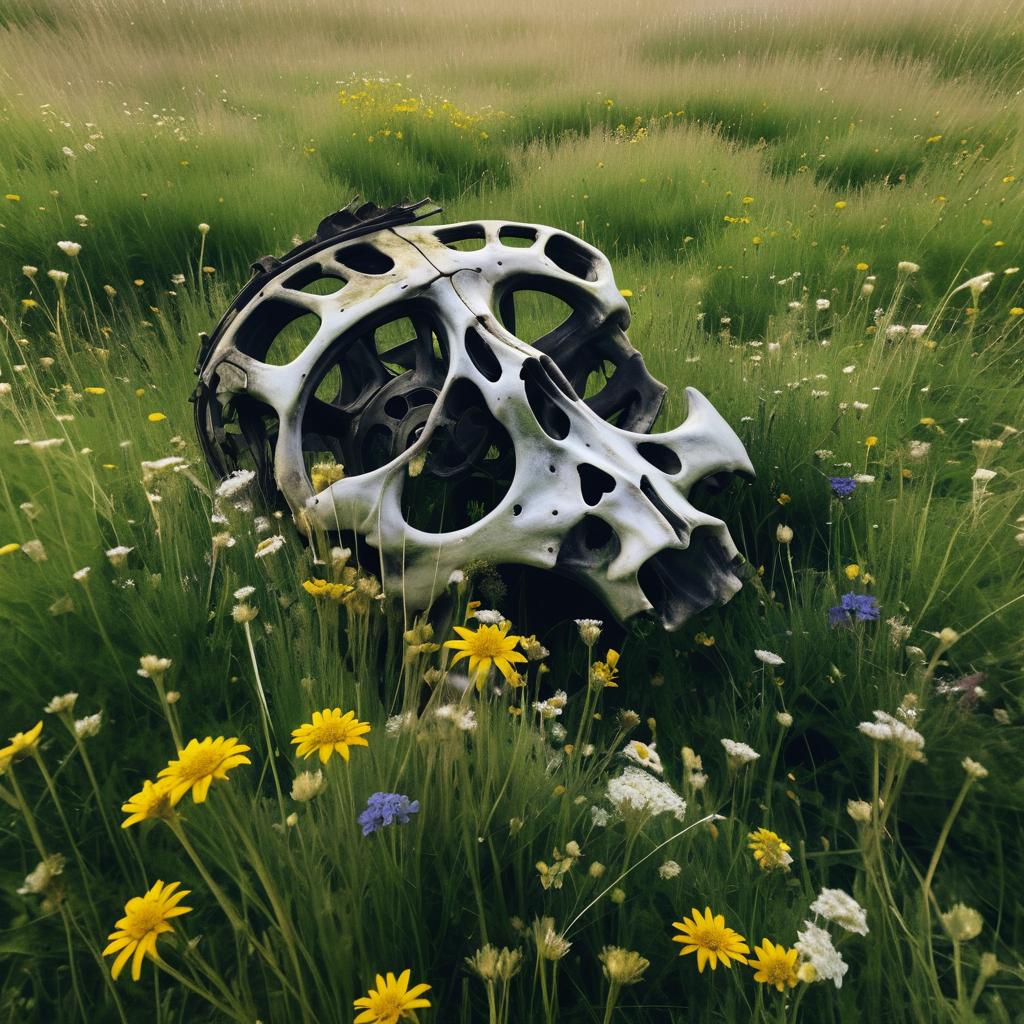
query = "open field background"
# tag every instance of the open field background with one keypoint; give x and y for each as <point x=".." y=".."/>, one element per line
<point x="755" y="174"/>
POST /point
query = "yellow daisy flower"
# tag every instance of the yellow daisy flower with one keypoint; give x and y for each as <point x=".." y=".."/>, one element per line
<point x="391" y="1001"/>
<point x="775" y="965"/>
<point x="152" y="801"/>
<point x="330" y="732"/>
<point x="22" y="743"/>
<point x="710" y="939"/>
<point x="489" y="645"/>
<point x="769" y="850"/>
<point x="199" y="764"/>
<point x="145" y="920"/>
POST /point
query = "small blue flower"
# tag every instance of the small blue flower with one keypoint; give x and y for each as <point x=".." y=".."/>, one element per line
<point x="853" y="607"/>
<point x="842" y="486"/>
<point x="385" y="809"/>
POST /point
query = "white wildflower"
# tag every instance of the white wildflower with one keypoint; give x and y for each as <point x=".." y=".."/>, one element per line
<point x="784" y="718"/>
<point x="739" y="754"/>
<point x="888" y="729"/>
<point x="814" y="945"/>
<point x="821" y="305"/>
<point x="243" y="592"/>
<point x="636" y="790"/>
<point x="975" y="769"/>
<point x="88" y="726"/>
<point x="307" y="785"/>
<point x="599" y="816"/>
<point x="269" y="546"/>
<point x="69" y="248"/>
<point x="42" y="875"/>
<point x="840" y="907"/>
<point x="35" y="550"/>
<point x="65" y="702"/>
<point x="119" y="555"/>
<point x="81" y="575"/>
<point x="670" y="869"/>
<point x="235" y="483"/>
<point x="644" y="755"/>
<point x="906" y="267"/>
<point x="150" y="665"/>
<point x="489" y="616"/>
<point x="768" y="657"/>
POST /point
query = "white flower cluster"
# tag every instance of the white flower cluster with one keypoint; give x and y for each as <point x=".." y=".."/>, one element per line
<point x="739" y="753"/>
<point x="840" y="907"/>
<point x="461" y="718"/>
<point x="888" y="729"/>
<point x="815" y="947"/>
<point x="637" y="790"/>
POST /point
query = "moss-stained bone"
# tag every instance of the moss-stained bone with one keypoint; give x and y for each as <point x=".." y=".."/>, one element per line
<point x="590" y="492"/>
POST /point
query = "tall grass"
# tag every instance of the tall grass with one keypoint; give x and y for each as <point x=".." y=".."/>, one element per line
<point x="740" y="170"/>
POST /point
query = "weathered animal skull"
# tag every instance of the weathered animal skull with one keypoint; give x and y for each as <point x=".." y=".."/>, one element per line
<point x="538" y="450"/>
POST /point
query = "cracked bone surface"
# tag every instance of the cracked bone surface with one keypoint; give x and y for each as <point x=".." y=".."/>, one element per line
<point x="476" y="384"/>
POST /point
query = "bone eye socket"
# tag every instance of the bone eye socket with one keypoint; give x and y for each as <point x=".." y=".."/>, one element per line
<point x="517" y="236"/>
<point x="660" y="456"/>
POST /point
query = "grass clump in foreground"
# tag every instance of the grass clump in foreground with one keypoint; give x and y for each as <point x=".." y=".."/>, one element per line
<point x="802" y="806"/>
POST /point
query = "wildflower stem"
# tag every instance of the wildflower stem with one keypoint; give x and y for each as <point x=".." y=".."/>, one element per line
<point x="646" y="856"/>
<point x="204" y="993"/>
<point x="265" y="721"/>
<point x="926" y="884"/>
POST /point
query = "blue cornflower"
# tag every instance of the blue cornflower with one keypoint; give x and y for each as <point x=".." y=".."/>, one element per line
<point x="853" y="607"/>
<point x="842" y="486"/>
<point x="385" y="809"/>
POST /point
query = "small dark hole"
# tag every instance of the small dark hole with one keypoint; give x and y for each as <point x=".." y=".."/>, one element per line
<point x="517" y="510"/>
<point x="567" y="254"/>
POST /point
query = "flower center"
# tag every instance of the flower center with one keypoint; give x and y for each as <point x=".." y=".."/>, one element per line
<point x="709" y="939"/>
<point x="143" y="920"/>
<point x="388" y="1008"/>
<point x="778" y="972"/>
<point x="200" y="763"/>
<point x="330" y="731"/>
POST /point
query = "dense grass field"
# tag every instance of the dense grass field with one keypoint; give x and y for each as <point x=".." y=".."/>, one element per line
<point x="815" y="212"/>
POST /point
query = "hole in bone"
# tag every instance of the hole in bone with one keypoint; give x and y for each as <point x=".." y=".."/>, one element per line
<point x="364" y="259"/>
<point x="714" y="483"/>
<point x="590" y="544"/>
<point x="469" y="466"/>
<point x="316" y="281"/>
<point x="481" y="356"/>
<point x="594" y="483"/>
<point x="362" y="411"/>
<point x="682" y="531"/>
<point x="660" y="456"/>
<point x="519" y="236"/>
<point x="530" y="314"/>
<point x="395" y="342"/>
<point x="569" y="255"/>
<point x="517" y="510"/>
<point x="463" y="237"/>
<point x="681" y="583"/>
<point x="277" y="332"/>
<point x="543" y="397"/>
<point x="329" y="388"/>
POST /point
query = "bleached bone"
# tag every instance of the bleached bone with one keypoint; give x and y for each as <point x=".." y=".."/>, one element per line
<point x="566" y="479"/>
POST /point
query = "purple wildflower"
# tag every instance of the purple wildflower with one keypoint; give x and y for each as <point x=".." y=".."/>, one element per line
<point x="853" y="607"/>
<point x="968" y="688"/>
<point x="842" y="486"/>
<point x="385" y="809"/>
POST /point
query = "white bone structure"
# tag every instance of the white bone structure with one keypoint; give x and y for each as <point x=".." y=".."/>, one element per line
<point x="548" y="439"/>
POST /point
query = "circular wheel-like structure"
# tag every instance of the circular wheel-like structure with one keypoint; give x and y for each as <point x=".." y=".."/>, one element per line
<point x="477" y="386"/>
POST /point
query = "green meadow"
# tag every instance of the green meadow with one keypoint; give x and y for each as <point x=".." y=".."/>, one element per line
<point x="815" y="214"/>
